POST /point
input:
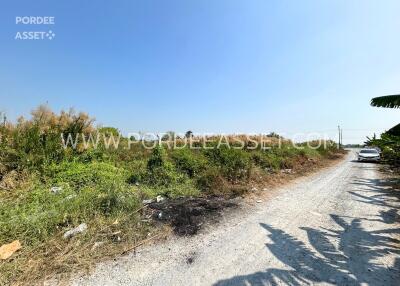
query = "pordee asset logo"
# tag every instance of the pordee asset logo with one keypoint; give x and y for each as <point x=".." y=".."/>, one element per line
<point x="35" y="21"/>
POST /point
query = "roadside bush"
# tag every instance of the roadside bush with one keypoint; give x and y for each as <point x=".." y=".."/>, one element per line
<point x="390" y="146"/>
<point x="211" y="181"/>
<point x="90" y="155"/>
<point x="137" y="171"/>
<point x="159" y="170"/>
<point x="36" y="142"/>
<point x="309" y="152"/>
<point x="157" y="159"/>
<point x="267" y="159"/>
<point x="328" y="148"/>
<point x="235" y="164"/>
<point x="188" y="162"/>
<point x="33" y="148"/>
<point x="79" y="175"/>
<point x="184" y="187"/>
<point x="38" y="214"/>
<point x="391" y="155"/>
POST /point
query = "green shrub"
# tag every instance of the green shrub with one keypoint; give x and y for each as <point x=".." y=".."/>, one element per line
<point x="389" y="143"/>
<point x="38" y="214"/>
<point x="310" y="152"/>
<point x="157" y="158"/>
<point x="211" y="181"/>
<point x="37" y="142"/>
<point x="159" y="170"/>
<point x="137" y="170"/>
<point x="162" y="176"/>
<point x="184" y="188"/>
<point x="189" y="162"/>
<point x="91" y="155"/>
<point x="34" y="149"/>
<point x="235" y="164"/>
<point x="391" y="155"/>
<point x="267" y="159"/>
<point x="79" y="175"/>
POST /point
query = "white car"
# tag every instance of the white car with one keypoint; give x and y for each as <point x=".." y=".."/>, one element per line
<point x="369" y="154"/>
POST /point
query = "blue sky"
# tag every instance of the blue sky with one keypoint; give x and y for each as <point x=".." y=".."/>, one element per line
<point x="219" y="66"/>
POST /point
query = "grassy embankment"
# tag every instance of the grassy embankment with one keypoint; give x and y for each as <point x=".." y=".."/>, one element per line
<point x="105" y="188"/>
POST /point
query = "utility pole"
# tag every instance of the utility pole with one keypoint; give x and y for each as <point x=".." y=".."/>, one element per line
<point x="339" y="143"/>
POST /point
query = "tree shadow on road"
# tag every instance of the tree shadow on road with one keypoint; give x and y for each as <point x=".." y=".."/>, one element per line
<point x="381" y="192"/>
<point x="351" y="261"/>
<point x="345" y="254"/>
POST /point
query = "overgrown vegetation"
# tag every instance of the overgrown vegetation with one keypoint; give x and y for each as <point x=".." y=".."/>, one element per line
<point x="389" y="143"/>
<point x="46" y="189"/>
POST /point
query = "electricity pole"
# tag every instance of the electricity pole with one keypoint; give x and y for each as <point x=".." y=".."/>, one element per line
<point x="340" y="141"/>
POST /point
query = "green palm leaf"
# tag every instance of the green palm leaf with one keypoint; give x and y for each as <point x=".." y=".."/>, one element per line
<point x="391" y="101"/>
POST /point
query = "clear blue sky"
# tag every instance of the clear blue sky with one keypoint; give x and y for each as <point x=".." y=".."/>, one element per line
<point x="207" y="65"/>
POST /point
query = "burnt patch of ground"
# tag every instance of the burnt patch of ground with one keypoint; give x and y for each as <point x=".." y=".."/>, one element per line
<point x="186" y="215"/>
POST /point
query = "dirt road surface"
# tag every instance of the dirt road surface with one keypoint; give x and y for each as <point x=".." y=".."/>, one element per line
<point x="339" y="226"/>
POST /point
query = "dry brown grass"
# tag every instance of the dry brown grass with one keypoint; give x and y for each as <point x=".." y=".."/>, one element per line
<point x="14" y="180"/>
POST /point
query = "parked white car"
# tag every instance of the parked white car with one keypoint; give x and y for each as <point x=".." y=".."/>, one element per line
<point x="369" y="154"/>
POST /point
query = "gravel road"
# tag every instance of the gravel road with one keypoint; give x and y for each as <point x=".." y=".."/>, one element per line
<point x="339" y="226"/>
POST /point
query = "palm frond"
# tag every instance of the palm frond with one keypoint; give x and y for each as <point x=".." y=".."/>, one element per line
<point x="390" y="101"/>
<point x="395" y="131"/>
